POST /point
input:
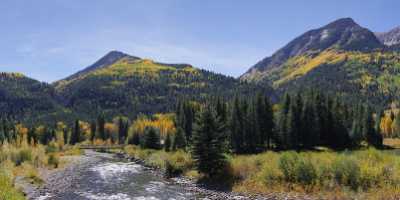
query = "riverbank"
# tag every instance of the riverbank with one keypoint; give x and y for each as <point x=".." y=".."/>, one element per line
<point x="180" y="161"/>
<point x="362" y="174"/>
<point x="56" y="180"/>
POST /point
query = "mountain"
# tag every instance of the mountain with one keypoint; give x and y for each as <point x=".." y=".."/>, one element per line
<point x="105" y="61"/>
<point x="26" y="99"/>
<point x="390" y="38"/>
<point x="341" y="57"/>
<point x="122" y="84"/>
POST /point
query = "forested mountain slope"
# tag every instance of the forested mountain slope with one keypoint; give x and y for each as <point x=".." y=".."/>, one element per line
<point x="129" y="85"/>
<point x="25" y="99"/>
<point x="341" y="57"/>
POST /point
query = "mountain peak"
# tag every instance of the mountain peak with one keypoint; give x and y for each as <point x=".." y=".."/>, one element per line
<point x="391" y="37"/>
<point x="343" y="22"/>
<point x="107" y="60"/>
<point x="342" y="34"/>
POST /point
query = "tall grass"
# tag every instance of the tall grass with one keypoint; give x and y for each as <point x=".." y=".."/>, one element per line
<point x="22" y="159"/>
<point x="355" y="172"/>
<point x="363" y="174"/>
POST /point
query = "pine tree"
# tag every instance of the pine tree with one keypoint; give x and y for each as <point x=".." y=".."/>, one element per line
<point x="122" y="130"/>
<point x="221" y="110"/>
<point x="236" y="126"/>
<point x="309" y="136"/>
<point x="92" y="131"/>
<point x="151" y="138"/>
<point x="356" y="133"/>
<point x="167" y="143"/>
<point x="252" y="131"/>
<point x="76" y="133"/>
<point x="135" y="139"/>
<point x="369" y="129"/>
<point x="377" y="139"/>
<point x="179" y="140"/>
<point x="284" y="132"/>
<point x="100" y="128"/>
<point x="208" y="144"/>
<point x="2" y="136"/>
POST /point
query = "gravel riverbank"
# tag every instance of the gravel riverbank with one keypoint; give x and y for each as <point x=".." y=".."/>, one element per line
<point x="56" y="180"/>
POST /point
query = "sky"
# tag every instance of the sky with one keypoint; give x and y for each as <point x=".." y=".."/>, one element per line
<point x="51" y="39"/>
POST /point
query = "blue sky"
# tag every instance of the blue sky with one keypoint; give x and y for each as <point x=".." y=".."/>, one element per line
<point x="50" y="39"/>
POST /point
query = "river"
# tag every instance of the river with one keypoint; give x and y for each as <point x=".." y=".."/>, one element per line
<point x="109" y="178"/>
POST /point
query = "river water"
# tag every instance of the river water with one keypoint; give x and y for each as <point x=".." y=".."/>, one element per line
<point x="108" y="178"/>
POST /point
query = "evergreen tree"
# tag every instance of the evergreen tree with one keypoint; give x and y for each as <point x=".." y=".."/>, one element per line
<point x="185" y="118"/>
<point x="122" y="130"/>
<point x="356" y="133"/>
<point x="135" y="139"/>
<point x="251" y="135"/>
<point x="284" y="132"/>
<point x="208" y="143"/>
<point x="221" y="110"/>
<point x="92" y="131"/>
<point x="76" y="133"/>
<point x="66" y="135"/>
<point x="100" y="128"/>
<point x="151" y="138"/>
<point x="167" y="143"/>
<point x="2" y="136"/>
<point x="236" y="126"/>
<point x="309" y="135"/>
<point x="371" y="136"/>
<point x="179" y="140"/>
<point x="377" y="139"/>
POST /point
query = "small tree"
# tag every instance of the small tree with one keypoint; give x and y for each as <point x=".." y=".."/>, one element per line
<point x="76" y="133"/>
<point x="92" y="131"/>
<point x="179" y="140"/>
<point x="151" y="138"/>
<point x="167" y="143"/>
<point x="208" y="143"/>
<point x="134" y="139"/>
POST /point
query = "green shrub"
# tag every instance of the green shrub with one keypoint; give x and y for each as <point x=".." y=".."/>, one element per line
<point x="21" y="156"/>
<point x="287" y="165"/>
<point x="346" y="172"/>
<point x="178" y="163"/>
<point x="53" y="160"/>
<point x="52" y="147"/>
<point x="305" y="172"/>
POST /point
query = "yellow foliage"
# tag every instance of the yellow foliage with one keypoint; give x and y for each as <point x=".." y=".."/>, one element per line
<point x="386" y="126"/>
<point x="301" y="65"/>
<point x="163" y="122"/>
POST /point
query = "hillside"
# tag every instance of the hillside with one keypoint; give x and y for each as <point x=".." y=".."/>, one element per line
<point x="129" y="85"/>
<point x="341" y="57"/>
<point x="26" y="99"/>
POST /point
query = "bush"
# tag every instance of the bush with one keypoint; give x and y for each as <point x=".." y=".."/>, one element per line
<point x="346" y="172"/>
<point x="305" y="172"/>
<point x="22" y="156"/>
<point x="287" y="164"/>
<point x="178" y="163"/>
<point x="52" y="147"/>
<point x="53" y="160"/>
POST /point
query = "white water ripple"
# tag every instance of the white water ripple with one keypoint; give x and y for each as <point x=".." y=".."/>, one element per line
<point x="112" y="170"/>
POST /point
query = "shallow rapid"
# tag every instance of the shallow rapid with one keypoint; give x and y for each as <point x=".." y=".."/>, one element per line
<point x="108" y="178"/>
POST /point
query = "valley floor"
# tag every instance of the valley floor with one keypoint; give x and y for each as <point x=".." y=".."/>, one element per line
<point x="361" y="174"/>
